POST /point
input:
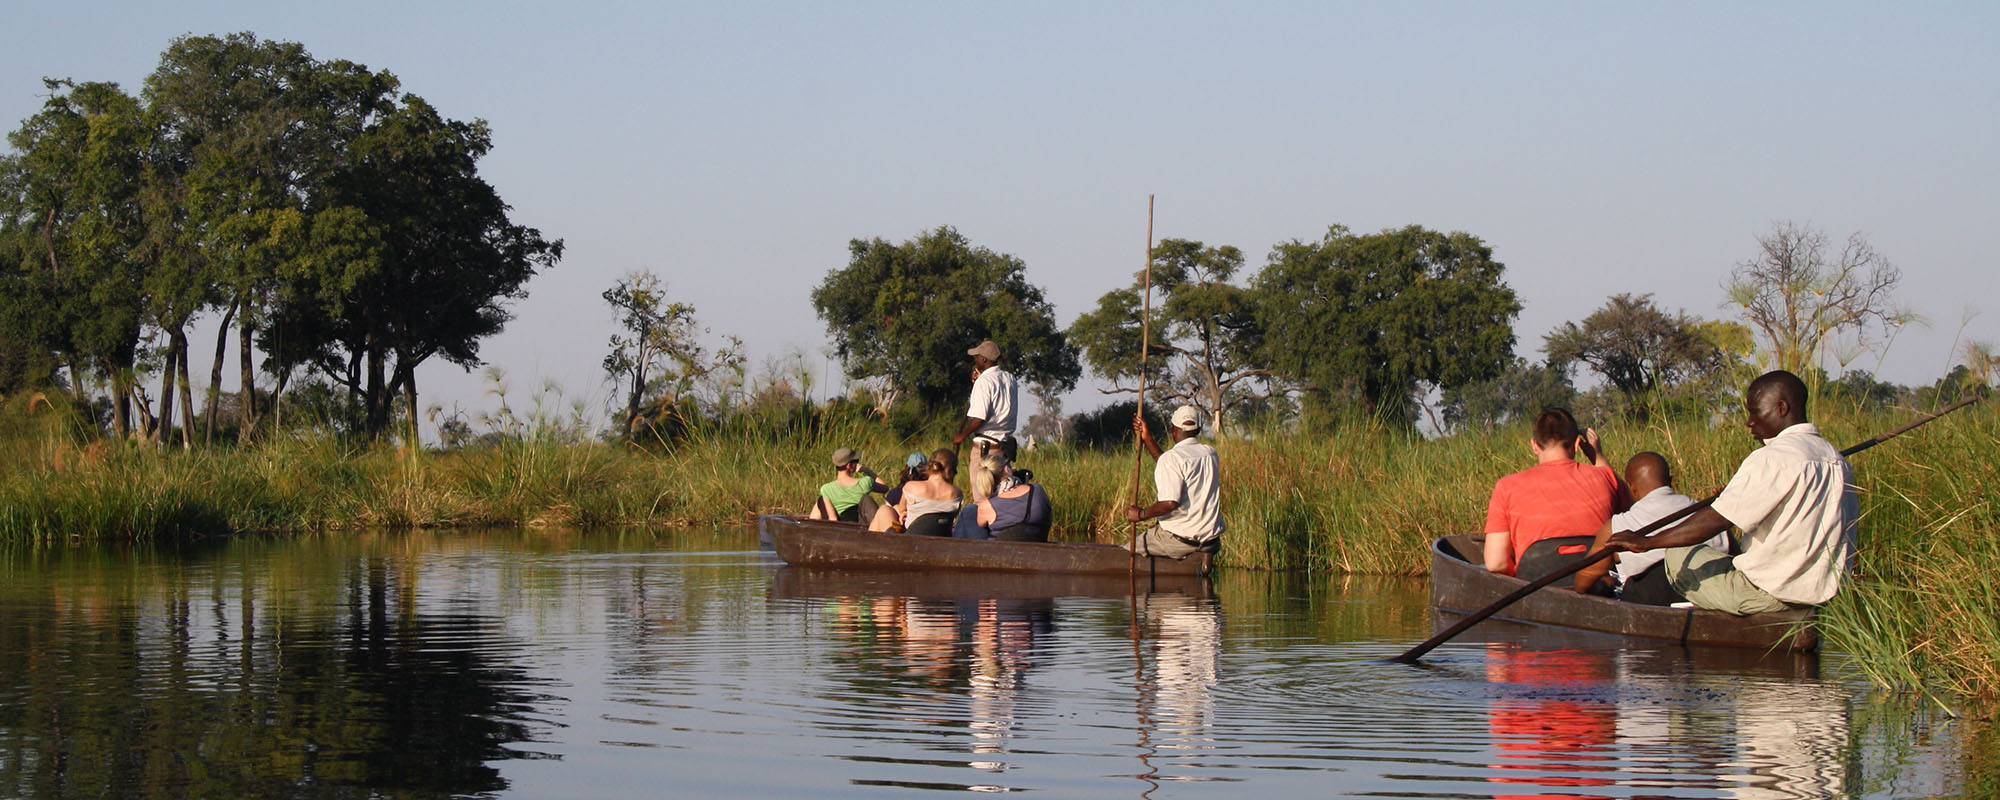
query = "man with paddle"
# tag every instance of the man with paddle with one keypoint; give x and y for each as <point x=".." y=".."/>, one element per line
<point x="1781" y="422"/>
<point x="1794" y="500"/>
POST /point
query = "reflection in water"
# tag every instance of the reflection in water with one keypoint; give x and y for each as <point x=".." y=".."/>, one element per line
<point x="1545" y="736"/>
<point x="968" y="645"/>
<point x="1177" y="643"/>
<point x="294" y="681"/>
<point x="638" y="665"/>
<point x="976" y="648"/>
<point x="1569" y="718"/>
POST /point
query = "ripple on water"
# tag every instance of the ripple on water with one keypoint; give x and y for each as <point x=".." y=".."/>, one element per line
<point x="473" y="668"/>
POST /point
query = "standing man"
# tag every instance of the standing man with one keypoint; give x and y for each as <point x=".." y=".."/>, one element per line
<point x="1794" y="500"/>
<point x="1187" y="483"/>
<point x="989" y="416"/>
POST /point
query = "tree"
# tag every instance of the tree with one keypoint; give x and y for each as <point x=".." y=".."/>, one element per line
<point x="1206" y="342"/>
<point x="253" y="127"/>
<point x="1796" y="293"/>
<point x="1372" y="316"/>
<point x="1644" y="353"/>
<point x="70" y="211"/>
<point x="1520" y="392"/>
<point x="1861" y="388"/>
<point x="1110" y="427"/>
<point x="410" y="255"/>
<point x="906" y="313"/>
<point x="1048" y="424"/>
<point x="659" y="355"/>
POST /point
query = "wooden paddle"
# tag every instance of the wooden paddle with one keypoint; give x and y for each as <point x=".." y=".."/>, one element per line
<point x="1414" y="653"/>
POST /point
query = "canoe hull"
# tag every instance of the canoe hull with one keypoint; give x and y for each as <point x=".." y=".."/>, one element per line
<point x="1461" y="585"/>
<point x="792" y="582"/>
<point x="847" y="545"/>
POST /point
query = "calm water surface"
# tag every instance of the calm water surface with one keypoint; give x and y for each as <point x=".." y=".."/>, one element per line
<point x="689" y="664"/>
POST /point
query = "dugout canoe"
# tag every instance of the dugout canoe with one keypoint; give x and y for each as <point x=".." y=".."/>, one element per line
<point x="847" y="545"/>
<point x="796" y="582"/>
<point x="1460" y="584"/>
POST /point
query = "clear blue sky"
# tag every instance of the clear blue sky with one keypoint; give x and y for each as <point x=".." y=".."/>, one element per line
<point x="735" y="148"/>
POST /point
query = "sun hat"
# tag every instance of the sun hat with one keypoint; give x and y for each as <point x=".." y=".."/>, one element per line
<point x="844" y="455"/>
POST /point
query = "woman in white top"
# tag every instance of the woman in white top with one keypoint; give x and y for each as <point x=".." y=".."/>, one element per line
<point x="927" y="507"/>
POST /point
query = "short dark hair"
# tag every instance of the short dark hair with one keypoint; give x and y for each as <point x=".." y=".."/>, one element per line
<point x="1780" y="384"/>
<point x="1555" y="426"/>
<point x="1649" y="461"/>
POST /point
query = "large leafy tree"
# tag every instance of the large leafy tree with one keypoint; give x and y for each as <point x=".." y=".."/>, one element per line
<point x="1636" y="347"/>
<point x="410" y="256"/>
<point x="253" y="128"/>
<point x="70" y="211"/>
<point x="905" y="313"/>
<point x="1375" y="316"/>
<point x="1206" y="344"/>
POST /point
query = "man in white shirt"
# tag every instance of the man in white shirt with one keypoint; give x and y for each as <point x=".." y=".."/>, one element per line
<point x="989" y="415"/>
<point x="1187" y="483"/>
<point x="1794" y="500"/>
<point x="1638" y="577"/>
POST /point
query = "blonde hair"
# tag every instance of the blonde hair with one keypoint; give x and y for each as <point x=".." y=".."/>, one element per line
<point x="986" y="476"/>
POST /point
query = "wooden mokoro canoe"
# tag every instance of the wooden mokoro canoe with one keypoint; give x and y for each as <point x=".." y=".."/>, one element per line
<point x="848" y="545"/>
<point x="794" y="582"/>
<point x="1460" y="584"/>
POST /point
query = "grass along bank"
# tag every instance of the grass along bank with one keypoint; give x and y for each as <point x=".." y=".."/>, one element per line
<point x="1926" y="611"/>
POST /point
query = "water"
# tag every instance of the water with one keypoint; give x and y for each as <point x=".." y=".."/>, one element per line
<point x="688" y="664"/>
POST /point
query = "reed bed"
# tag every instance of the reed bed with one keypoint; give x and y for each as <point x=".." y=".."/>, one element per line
<point x="1925" y="610"/>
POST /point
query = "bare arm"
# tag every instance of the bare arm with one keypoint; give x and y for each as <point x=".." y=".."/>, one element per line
<point x="1162" y="508"/>
<point x="1589" y="575"/>
<point x="1592" y="448"/>
<point x="1499" y="553"/>
<point x="1145" y="437"/>
<point x="971" y="424"/>
<point x="1696" y="529"/>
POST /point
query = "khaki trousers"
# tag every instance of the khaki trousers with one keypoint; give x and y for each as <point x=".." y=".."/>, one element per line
<point x="1707" y="577"/>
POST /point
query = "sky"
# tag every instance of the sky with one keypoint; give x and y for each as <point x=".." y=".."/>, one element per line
<point x="736" y="148"/>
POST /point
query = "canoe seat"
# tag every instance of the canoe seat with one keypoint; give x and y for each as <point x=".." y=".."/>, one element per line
<point x="1550" y="555"/>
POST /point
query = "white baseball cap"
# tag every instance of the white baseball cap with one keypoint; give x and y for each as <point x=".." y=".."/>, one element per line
<point x="1187" y="418"/>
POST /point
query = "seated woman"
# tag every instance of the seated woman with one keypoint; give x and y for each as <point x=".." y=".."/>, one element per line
<point x="890" y="517"/>
<point x="930" y="505"/>
<point x="1019" y="513"/>
<point x="986" y="477"/>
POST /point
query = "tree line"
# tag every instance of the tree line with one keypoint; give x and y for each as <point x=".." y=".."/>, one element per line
<point x="331" y="223"/>
<point x="1389" y="325"/>
<point x="338" y="229"/>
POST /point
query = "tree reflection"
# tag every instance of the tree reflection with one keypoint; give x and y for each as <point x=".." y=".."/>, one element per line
<point x="300" y="680"/>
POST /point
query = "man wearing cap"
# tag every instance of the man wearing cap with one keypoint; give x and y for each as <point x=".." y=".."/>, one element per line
<point x="849" y="497"/>
<point x="989" y="417"/>
<point x="1187" y="483"/>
